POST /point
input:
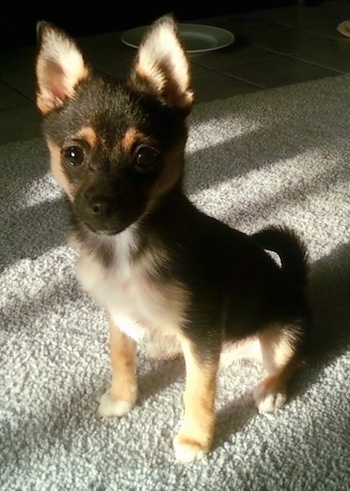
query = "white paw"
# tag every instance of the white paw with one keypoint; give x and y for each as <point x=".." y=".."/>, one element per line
<point x="187" y="451"/>
<point x="268" y="401"/>
<point x="113" y="407"/>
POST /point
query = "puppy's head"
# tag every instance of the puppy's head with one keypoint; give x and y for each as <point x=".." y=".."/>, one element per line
<point x="116" y="147"/>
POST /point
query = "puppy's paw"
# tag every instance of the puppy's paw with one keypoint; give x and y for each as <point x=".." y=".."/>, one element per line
<point x="113" y="407"/>
<point x="188" y="449"/>
<point x="268" y="398"/>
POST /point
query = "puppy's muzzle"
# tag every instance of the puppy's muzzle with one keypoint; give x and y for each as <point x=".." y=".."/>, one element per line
<point x="101" y="208"/>
<point x="100" y="214"/>
<point x="104" y="213"/>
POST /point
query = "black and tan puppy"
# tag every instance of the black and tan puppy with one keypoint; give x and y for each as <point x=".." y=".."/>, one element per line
<point x="159" y="266"/>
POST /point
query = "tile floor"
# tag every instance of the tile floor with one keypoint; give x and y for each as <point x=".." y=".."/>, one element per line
<point x="272" y="48"/>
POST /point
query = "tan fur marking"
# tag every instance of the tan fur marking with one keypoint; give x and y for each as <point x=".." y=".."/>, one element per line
<point x="197" y="430"/>
<point x="132" y="136"/>
<point x="149" y="72"/>
<point x="284" y="350"/>
<point x="278" y="347"/>
<point x="122" y="355"/>
<point x="171" y="173"/>
<point x="277" y="383"/>
<point x="45" y="103"/>
<point x="57" y="171"/>
<point x="279" y="350"/>
<point x="89" y="135"/>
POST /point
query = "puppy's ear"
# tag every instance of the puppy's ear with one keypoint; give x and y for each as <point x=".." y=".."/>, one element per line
<point x="161" y="65"/>
<point x="59" y="67"/>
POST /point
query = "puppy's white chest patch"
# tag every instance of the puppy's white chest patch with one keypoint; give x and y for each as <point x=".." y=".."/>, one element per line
<point x="136" y="302"/>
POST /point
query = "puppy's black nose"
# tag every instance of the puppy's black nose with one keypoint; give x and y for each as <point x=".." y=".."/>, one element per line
<point x="101" y="207"/>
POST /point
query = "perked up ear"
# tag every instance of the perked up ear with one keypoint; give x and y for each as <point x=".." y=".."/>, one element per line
<point x="162" y="65"/>
<point x="59" y="67"/>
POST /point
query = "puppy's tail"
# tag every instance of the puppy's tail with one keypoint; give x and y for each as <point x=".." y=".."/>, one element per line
<point x="291" y="250"/>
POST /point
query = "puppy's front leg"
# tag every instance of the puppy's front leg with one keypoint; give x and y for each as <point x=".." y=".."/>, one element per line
<point x="122" y="394"/>
<point x="197" y="430"/>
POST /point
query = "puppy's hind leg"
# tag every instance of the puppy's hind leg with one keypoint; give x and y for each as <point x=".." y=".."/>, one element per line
<point x="122" y="394"/>
<point x="280" y="352"/>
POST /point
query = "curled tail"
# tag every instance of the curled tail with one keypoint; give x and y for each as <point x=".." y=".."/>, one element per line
<point x="290" y="248"/>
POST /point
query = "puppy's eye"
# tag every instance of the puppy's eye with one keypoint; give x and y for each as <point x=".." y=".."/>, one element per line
<point x="145" y="157"/>
<point x="74" y="155"/>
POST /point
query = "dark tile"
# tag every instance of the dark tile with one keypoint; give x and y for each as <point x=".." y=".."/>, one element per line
<point x="239" y="52"/>
<point x="108" y="53"/>
<point x="118" y="68"/>
<point x="9" y="97"/>
<point x="21" y="59"/>
<point x="286" y="40"/>
<point x="304" y="18"/>
<point x="23" y="81"/>
<point x="210" y="85"/>
<point x="17" y="68"/>
<point x="278" y="71"/>
<point x="110" y="43"/>
<point x="336" y="6"/>
<point x="241" y="25"/>
<point x="335" y="57"/>
<point x="20" y="123"/>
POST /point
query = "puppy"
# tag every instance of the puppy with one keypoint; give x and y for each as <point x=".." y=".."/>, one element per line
<point x="159" y="266"/>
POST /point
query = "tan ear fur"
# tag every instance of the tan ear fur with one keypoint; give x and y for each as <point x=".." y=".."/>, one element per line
<point x="162" y="63"/>
<point x="59" y="67"/>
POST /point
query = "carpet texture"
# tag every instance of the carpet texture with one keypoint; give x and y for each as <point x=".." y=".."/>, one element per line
<point x="270" y="157"/>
